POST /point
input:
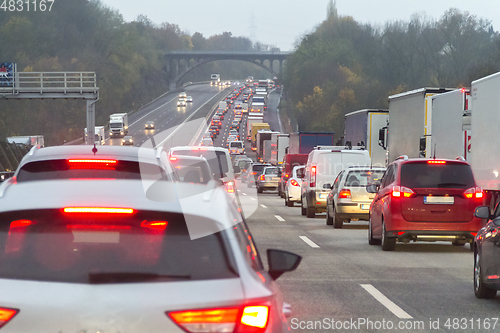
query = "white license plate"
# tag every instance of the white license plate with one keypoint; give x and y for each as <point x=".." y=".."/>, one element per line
<point x="365" y="206"/>
<point x="436" y="200"/>
<point x="323" y="195"/>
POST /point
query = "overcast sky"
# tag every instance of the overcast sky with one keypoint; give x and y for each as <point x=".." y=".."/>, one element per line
<point x="282" y="22"/>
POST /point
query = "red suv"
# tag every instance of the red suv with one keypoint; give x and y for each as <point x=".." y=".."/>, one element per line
<point x="425" y="200"/>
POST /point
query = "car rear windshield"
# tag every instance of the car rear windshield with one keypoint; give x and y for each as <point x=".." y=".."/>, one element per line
<point x="258" y="167"/>
<point x="217" y="160"/>
<point x="236" y="144"/>
<point x="362" y="178"/>
<point x="447" y="175"/>
<point x="50" y="245"/>
<point x="64" y="169"/>
<point x="271" y="171"/>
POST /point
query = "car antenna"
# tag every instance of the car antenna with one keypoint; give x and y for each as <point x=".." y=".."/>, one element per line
<point x="94" y="150"/>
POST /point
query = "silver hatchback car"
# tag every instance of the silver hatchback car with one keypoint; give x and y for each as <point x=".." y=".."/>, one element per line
<point x="74" y="258"/>
<point x="268" y="180"/>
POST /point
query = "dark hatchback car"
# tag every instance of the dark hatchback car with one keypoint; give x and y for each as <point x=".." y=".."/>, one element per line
<point x="425" y="200"/>
<point x="487" y="254"/>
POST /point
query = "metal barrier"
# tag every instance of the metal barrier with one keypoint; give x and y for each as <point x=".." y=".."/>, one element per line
<point x="52" y="82"/>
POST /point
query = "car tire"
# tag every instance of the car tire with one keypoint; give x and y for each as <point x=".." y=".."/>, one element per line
<point x="371" y="239"/>
<point x="329" y="219"/>
<point x="310" y="212"/>
<point x="259" y="189"/>
<point x="302" y="208"/>
<point x="280" y="194"/>
<point x="388" y="243"/>
<point x="480" y="289"/>
<point x="338" y="222"/>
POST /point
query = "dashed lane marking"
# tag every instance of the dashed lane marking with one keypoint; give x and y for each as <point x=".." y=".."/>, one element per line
<point x="309" y="242"/>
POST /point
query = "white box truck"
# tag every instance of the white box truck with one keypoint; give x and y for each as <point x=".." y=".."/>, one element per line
<point x="118" y="125"/>
<point x="409" y="120"/>
<point x="99" y="135"/>
<point x="362" y="129"/>
<point x="29" y="140"/>
<point x="257" y="118"/>
<point x="279" y="145"/>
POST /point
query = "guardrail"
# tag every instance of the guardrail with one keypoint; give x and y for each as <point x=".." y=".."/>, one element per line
<point x="10" y="156"/>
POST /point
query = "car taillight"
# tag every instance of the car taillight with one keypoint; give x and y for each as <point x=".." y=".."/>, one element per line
<point x="249" y="319"/>
<point x="6" y="315"/>
<point x="436" y="162"/>
<point x="401" y="191"/>
<point x="92" y="164"/>
<point x="345" y="194"/>
<point x="312" y="183"/>
<point x="293" y="182"/>
<point x="230" y="186"/>
<point x="474" y="193"/>
<point x="262" y="177"/>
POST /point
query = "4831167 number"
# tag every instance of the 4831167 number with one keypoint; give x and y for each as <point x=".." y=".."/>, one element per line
<point x="26" y="5"/>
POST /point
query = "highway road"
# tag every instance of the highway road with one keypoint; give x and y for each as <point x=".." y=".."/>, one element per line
<point x="343" y="284"/>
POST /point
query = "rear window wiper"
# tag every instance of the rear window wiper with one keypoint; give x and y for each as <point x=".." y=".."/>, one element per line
<point x="451" y="185"/>
<point x="129" y="277"/>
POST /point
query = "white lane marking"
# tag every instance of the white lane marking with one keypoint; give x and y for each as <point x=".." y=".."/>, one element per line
<point x="279" y="218"/>
<point x="263" y="206"/>
<point x="309" y="242"/>
<point x="390" y="305"/>
<point x="252" y="198"/>
<point x="244" y="193"/>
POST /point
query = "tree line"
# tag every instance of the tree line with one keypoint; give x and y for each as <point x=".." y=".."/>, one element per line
<point x="344" y="66"/>
<point x="85" y="35"/>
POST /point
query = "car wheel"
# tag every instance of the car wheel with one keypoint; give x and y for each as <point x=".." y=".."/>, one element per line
<point x="339" y="223"/>
<point x="280" y="194"/>
<point x="302" y="209"/>
<point x="259" y="189"/>
<point x="329" y="219"/>
<point x="388" y="243"/>
<point x="310" y="212"/>
<point x="480" y="289"/>
<point x="371" y="240"/>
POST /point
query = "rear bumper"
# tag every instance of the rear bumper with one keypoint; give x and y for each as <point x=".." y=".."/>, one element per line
<point x="353" y="210"/>
<point x="294" y="193"/>
<point x="432" y="236"/>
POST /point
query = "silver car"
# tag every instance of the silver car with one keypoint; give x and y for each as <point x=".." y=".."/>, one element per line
<point x="268" y="180"/>
<point x="131" y="259"/>
<point x="348" y="199"/>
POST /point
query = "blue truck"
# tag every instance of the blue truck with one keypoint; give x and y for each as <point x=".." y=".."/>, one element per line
<point x="304" y="142"/>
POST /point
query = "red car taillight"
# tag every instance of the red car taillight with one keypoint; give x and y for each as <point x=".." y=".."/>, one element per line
<point x="293" y="182"/>
<point x="230" y="186"/>
<point x="252" y="319"/>
<point x="474" y="193"/>
<point x="99" y="210"/>
<point x="262" y="177"/>
<point x="312" y="183"/>
<point x="6" y="315"/>
<point x="345" y="194"/>
<point x="402" y="192"/>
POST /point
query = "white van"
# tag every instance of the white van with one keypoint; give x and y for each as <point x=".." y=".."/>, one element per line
<point x="323" y="165"/>
<point x="236" y="147"/>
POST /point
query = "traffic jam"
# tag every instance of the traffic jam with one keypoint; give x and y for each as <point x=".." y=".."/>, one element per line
<point x="161" y="237"/>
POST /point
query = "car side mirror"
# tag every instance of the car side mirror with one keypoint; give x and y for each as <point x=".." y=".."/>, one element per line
<point x="281" y="262"/>
<point x="236" y="169"/>
<point x="327" y="186"/>
<point x="483" y="212"/>
<point x="373" y="188"/>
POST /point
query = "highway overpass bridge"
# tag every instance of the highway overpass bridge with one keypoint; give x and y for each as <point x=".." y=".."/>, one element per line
<point x="179" y="63"/>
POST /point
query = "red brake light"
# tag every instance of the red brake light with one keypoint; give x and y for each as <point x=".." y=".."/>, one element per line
<point x="262" y="177"/>
<point x="473" y="192"/>
<point x="6" y="315"/>
<point x="436" y="162"/>
<point x="173" y="158"/>
<point x="157" y="225"/>
<point x="91" y="164"/>
<point x="235" y="320"/>
<point x="293" y="182"/>
<point x="94" y="161"/>
<point x="230" y="186"/>
<point x="401" y="191"/>
<point x="313" y="176"/>
<point x="99" y="210"/>
<point x="345" y="194"/>
<point x="20" y="223"/>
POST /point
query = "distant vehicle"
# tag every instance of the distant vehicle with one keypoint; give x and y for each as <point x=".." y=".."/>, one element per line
<point x="215" y="79"/>
<point x="292" y="186"/>
<point x="289" y="162"/>
<point x="189" y="99"/>
<point x="183" y="94"/>
<point x="118" y="125"/>
<point x="236" y="147"/>
<point x="304" y="142"/>
<point x="207" y="142"/>
<point x="348" y="199"/>
<point x="99" y="133"/>
<point x="254" y="172"/>
<point x="149" y="124"/>
<point x="268" y="179"/>
<point x="127" y="140"/>
<point x="181" y="102"/>
<point x="249" y="79"/>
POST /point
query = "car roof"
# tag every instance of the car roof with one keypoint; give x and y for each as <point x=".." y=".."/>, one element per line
<point x="405" y="159"/>
<point x="176" y="197"/>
